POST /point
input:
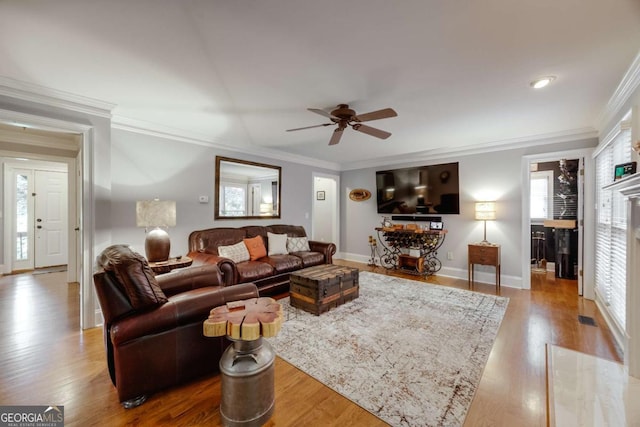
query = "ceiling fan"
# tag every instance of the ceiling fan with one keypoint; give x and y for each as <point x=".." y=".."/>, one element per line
<point x="344" y="116"/>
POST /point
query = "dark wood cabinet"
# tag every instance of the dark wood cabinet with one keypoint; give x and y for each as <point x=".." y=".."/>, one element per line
<point x="484" y="254"/>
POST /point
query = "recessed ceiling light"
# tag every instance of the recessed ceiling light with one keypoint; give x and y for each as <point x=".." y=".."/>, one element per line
<point x="542" y="82"/>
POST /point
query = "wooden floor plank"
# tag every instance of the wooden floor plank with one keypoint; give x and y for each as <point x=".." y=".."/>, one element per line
<point x="45" y="359"/>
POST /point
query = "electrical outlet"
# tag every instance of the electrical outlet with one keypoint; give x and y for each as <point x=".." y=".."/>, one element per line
<point x="203" y="199"/>
<point x="449" y="255"/>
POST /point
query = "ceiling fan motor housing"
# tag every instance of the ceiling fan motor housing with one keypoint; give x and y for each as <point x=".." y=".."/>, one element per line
<point x="343" y="112"/>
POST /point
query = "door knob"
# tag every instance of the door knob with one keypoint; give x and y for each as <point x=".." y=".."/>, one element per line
<point x="39" y="219"/>
<point x="39" y="226"/>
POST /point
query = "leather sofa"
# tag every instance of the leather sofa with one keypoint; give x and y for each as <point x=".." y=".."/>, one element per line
<point x="269" y="273"/>
<point x="153" y="325"/>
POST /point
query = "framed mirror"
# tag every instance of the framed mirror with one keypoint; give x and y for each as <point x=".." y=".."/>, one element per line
<point x="246" y="189"/>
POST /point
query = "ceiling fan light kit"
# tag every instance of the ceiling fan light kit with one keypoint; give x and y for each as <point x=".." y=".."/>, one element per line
<point x="344" y="116"/>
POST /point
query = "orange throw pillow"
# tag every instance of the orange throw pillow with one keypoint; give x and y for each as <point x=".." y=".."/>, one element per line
<point x="256" y="248"/>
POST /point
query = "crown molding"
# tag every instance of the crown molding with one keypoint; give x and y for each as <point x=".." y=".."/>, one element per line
<point x="507" y="144"/>
<point x="58" y="141"/>
<point x="629" y="83"/>
<point x="54" y="98"/>
<point x="160" y="131"/>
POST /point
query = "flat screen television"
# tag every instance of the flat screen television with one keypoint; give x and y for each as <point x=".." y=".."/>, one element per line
<point x="432" y="189"/>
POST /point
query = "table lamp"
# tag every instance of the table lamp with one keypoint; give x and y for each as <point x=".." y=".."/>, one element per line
<point x="155" y="214"/>
<point x="485" y="211"/>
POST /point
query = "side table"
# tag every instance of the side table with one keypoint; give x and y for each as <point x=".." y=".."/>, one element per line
<point x="160" y="267"/>
<point x="484" y="254"/>
<point x="247" y="366"/>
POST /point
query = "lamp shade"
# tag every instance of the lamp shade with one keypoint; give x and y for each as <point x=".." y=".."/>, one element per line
<point x="156" y="213"/>
<point x="485" y="211"/>
<point x="266" y="208"/>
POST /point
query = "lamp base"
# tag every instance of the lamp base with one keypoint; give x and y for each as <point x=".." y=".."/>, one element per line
<point x="485" y="243"/>
<point x="157" y="245"/>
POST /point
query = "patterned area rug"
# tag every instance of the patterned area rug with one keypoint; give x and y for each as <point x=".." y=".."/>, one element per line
<point x="409" y="352"/>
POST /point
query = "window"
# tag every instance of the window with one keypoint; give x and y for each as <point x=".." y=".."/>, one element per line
<point x="611" y="227"/>
<point x="22" y="217"/>
<point x="234" y="200"/>
<point x="541" y="193"/>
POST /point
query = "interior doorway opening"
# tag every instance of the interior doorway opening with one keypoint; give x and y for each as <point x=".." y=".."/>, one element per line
<point x="326" y="205"/>
<point x="36" y="195"/>
<point x="554" y="198"/>
<point x="556" y="190"/>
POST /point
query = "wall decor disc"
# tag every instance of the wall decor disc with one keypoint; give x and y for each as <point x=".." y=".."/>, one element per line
<point x="359" y="195"/>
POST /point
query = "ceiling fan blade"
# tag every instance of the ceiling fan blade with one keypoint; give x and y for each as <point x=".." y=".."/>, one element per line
<point x="372" y="131"/>
<point x="335" y="138"/>
<point x="311" y="127"/>
<point x="376" y="115"/>
<point x="321" y="112"/>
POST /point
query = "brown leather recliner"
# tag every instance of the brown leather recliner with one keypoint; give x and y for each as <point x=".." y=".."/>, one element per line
<point x="153" y="325"/>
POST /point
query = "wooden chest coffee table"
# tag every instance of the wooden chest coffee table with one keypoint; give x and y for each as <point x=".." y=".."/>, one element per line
<point x="322" y="287"/>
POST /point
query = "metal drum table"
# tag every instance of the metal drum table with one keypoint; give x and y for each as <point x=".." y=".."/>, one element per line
<point x="246" y="366"/>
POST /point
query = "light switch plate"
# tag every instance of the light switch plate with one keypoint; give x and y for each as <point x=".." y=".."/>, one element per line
<point x="203" y="199"/>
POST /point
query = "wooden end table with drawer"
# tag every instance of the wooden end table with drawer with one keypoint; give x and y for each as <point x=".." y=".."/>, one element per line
<point x="484" y="254"/>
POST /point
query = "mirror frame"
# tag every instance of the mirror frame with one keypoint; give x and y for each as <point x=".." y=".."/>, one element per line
<point x="218" y="201"/>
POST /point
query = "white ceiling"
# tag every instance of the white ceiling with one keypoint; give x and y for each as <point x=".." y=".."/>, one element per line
<point x="239" y="73"/>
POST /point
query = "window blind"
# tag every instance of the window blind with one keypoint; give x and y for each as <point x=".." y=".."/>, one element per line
<point x="611" y="228"/>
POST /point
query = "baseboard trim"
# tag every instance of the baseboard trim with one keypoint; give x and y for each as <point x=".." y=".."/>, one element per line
<point x="619" y="334"/>
<point x="98" y="319"/>
<point x="488" y="277"/>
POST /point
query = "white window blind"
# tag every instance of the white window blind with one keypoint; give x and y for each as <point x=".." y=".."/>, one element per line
<point x="611" y="228"/>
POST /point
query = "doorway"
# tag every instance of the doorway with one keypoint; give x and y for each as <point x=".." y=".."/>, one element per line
<point x="36" y="214"/>
<point x="544" y="231"/>
<point x="326" y="208"/>
<point x="46" y="139"/>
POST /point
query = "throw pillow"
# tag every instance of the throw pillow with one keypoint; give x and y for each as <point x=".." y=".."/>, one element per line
<point x="297" y="244"/>
<point x="255" y="246"/>
<point x="277" y="244"/>
<point x="236" y="253"/>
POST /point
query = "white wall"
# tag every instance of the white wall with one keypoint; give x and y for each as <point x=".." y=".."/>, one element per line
<point x="488" y="176"/>
<point x="145" y="167"/>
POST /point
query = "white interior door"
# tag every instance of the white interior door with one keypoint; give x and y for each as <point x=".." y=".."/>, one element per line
<point x="581" y="226"/>
<point x="51" y="225"/>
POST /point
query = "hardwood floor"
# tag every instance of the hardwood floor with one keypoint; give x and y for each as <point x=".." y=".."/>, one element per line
<point x="45" y="359"/>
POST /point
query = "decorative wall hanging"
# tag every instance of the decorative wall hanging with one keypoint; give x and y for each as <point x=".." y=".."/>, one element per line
<point x="359" y="195"/>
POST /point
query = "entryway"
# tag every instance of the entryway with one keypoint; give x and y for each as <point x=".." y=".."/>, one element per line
<point x="36" y="214"/>
<point x="556" y="191"/>
<point x="326" y="208"/>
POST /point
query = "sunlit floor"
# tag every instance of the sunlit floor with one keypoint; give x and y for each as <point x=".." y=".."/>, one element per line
<point x="588" y="391"/>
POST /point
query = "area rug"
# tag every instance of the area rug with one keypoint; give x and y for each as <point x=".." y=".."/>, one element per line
<point x="409" y="352"/>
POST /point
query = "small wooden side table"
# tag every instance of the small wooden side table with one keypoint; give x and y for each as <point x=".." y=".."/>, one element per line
<point x="161" y="267"/>
<point x="484" y="254"/>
